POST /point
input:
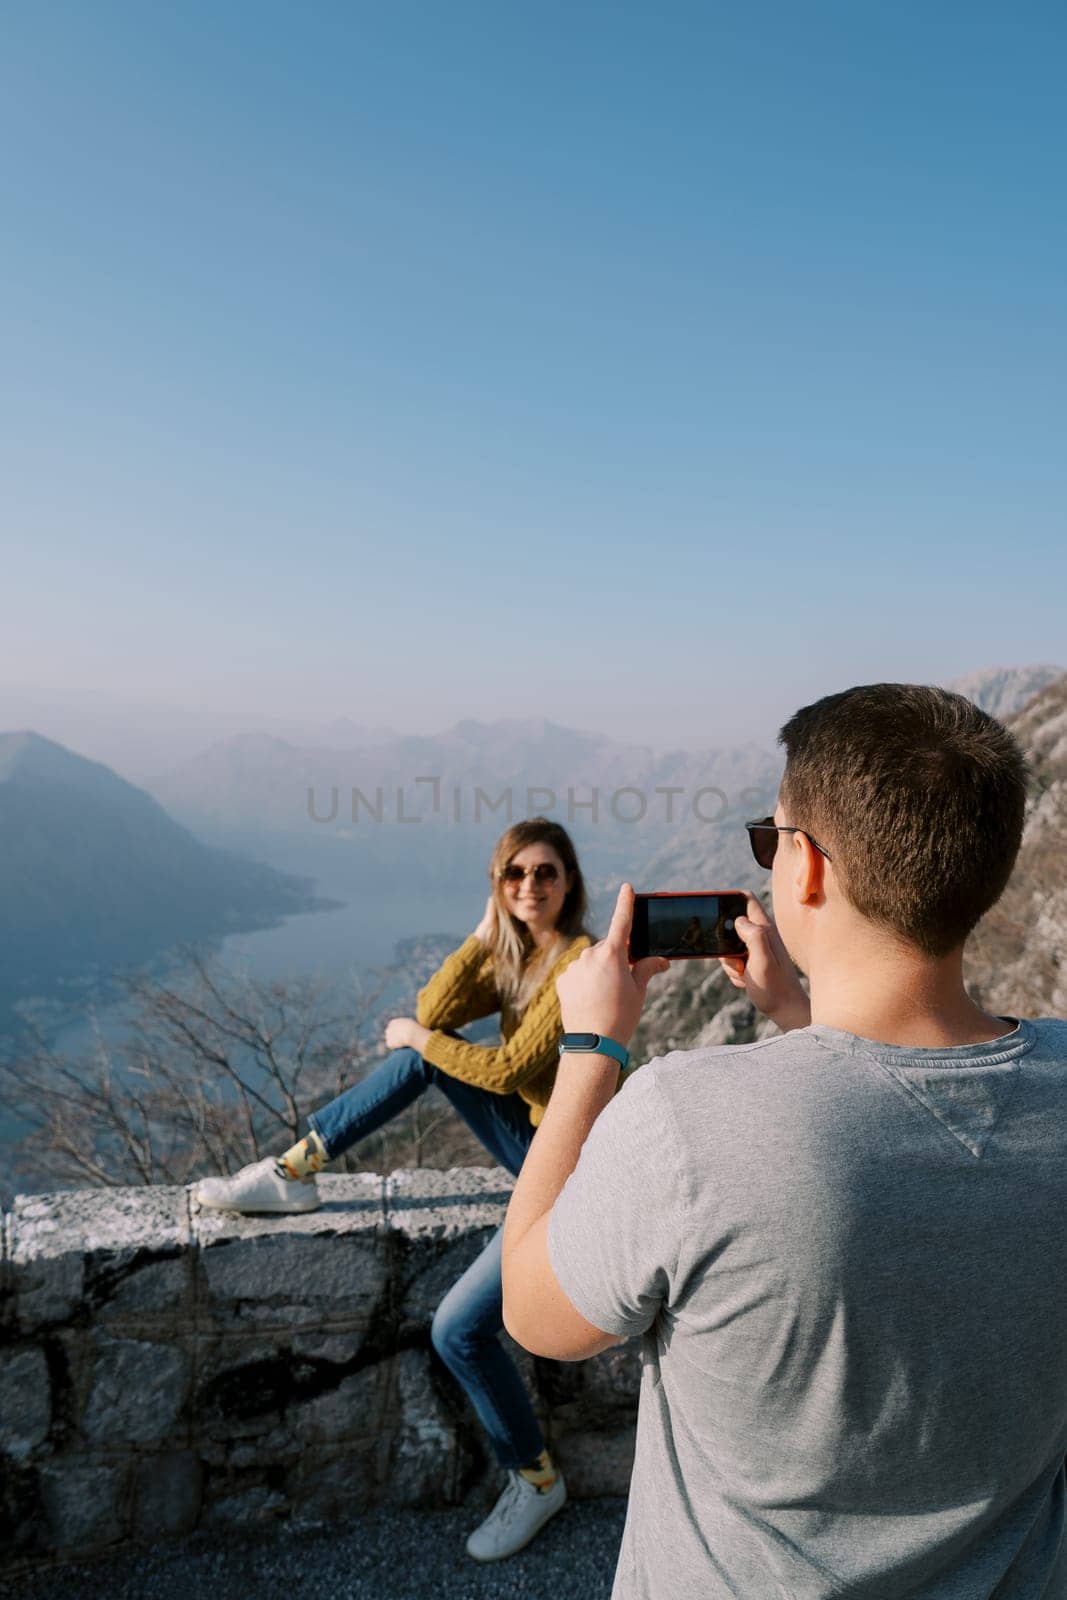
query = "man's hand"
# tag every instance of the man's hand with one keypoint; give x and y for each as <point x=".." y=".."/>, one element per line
<point x="601" y="992"/>
<point x="768" y="977"/>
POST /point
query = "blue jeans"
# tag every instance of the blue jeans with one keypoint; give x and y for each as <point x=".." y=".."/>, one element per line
<point x="466" y="1325"/>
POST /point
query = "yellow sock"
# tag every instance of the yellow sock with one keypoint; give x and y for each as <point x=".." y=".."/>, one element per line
<point x="543" y="1473"/>
<point x="303" y="1159"/>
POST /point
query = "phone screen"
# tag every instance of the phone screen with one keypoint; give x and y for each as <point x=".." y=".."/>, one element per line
<point x="681" y="925"/>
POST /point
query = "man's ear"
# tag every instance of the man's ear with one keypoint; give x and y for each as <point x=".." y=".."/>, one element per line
<point x="807" y="865"/>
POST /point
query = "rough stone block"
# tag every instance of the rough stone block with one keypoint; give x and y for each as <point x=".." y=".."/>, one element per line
<point x="341" y="1348"/>
<point x="280" y="1448"/>
<point x="260" y="1400"/>
<point x="332" y="1487"/>
<point x="595" y="1462"/>
<point x="257" y="1503"/>
<point x="350" y="1415"/>
<point x="114" y="1251"/>
<point x="422" y="1203"/>
<point x="426" y="1456"/>
<point x="243" y="1385"/>
<point x="24" y="1527"/>
<point x="48" y="1276"/>
<point x="234" y="1371"/>
<point x="7" y="1286"/>
<point x="25" y="1402"/>
<point x="84" y="1504"/>
<point x="324" y="1267"/>
<point x="167" y="1494"/>
<point x="352" y="1407"/>
<point x="138" y="1392"/>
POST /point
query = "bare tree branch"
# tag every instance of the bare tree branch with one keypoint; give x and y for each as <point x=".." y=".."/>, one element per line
<point x="209" y="1071"/>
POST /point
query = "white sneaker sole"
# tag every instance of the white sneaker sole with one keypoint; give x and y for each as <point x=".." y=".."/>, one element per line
<point x="261" y="1208"/>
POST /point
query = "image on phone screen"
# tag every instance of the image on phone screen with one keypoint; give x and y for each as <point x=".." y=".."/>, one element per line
<point x="683" y="925"/>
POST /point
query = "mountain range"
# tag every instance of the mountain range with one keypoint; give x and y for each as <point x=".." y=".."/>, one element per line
<point x="139" y="737"/>
<point x="95" y="875"/>
<point x="1002" y="691"/>
<point x="252" y="793"/>
<point x="149" y="740"/>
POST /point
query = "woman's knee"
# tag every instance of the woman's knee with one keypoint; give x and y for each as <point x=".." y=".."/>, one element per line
<point x="449" y="1334"/>
<point x="407" y="1060"/>
<point x="457" y="1328"/>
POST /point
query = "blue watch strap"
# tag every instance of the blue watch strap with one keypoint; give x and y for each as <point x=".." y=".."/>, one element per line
<point x="595" y="1044"/>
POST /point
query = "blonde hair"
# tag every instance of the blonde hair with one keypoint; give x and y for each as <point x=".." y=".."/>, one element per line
<point x="519" y="967"/>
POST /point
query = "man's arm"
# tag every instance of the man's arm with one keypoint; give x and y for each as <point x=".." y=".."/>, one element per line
<point x="537" y="1313"/>
<point x="599" y="993"/>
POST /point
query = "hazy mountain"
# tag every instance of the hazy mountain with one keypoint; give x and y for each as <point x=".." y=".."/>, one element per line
<point x="139" y="737"/>
<point x="252" y="792"/>
<point x="1004" y="690"/>
<point x="248" y="791"/>
<point x="94" y="874"/>
<point x="262" y="783"/>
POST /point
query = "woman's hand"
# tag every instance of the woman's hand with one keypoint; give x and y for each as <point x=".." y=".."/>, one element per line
<point x="398" y="1032"/>
<point x="768" y="977"/>
<point x="487" y="927"/>
<point x="406" y="1033"/>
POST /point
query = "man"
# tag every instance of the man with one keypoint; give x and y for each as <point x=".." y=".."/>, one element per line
<point x="844" y="1247"/>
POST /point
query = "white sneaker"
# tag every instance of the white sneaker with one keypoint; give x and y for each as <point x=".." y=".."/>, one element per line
<point x="521" y="1511"/>
<point x="258" y="1188"/>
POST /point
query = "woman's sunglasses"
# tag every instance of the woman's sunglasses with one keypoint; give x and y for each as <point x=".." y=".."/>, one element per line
<point x="763" y="837"/>
<point x="543" y="873"/>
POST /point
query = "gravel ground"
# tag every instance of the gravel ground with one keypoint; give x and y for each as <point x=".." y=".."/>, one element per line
<point x="403" y="1555"/>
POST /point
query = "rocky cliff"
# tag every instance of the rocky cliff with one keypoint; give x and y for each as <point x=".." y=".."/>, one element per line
<point x="1017" y="959"/>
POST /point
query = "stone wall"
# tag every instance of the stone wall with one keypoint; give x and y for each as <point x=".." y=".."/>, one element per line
<point x="164" y="1368"/>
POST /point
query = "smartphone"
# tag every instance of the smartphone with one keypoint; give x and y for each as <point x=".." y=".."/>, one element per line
<point x="693" y="925"/>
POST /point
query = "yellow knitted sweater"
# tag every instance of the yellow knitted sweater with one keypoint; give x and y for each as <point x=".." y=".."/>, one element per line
<point x="463" y="989"/>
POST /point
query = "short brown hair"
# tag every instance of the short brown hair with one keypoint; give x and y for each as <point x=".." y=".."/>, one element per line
<point x="918" y="796"/>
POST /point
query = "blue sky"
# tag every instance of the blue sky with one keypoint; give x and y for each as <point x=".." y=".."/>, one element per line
<point x="655" y="369"/>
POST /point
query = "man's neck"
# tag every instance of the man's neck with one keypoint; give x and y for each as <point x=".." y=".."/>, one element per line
<point x="906" y="1000"/>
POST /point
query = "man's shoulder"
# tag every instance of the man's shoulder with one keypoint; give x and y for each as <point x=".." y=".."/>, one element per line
<point x="684" y="1072"/>
<point x="709" y="1057"/>
<point x="672" y="1097"/>
<point x="1051" y="1033"/>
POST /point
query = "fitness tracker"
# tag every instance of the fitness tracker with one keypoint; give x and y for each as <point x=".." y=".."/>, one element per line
<point x="597" y="1044"/>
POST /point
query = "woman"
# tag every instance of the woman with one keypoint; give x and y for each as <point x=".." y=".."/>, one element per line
<point x="532" y="929"/>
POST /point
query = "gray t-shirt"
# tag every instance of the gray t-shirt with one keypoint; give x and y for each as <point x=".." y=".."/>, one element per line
<point x="848" y="1265"/>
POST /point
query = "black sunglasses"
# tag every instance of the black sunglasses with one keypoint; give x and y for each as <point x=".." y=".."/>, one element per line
<point x="763" y="837"/>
